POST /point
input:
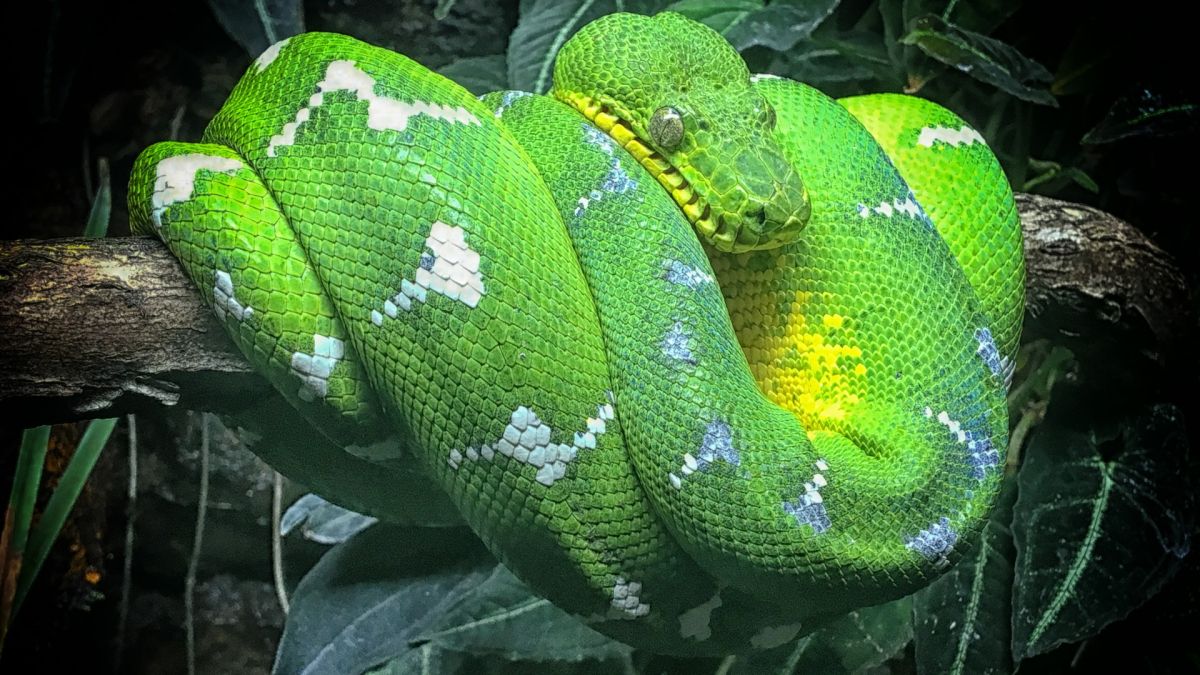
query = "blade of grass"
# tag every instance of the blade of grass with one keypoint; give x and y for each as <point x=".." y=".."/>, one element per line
<point x="21" y="503"/>
<point x="97" y="223"/>
<point x="42" y="537"/>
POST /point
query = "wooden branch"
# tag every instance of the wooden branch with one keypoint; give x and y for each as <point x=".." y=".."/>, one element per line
<point x="96" y="328"/>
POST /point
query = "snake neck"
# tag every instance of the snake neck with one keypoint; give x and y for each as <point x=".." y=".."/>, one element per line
<point x="694" y="207"/>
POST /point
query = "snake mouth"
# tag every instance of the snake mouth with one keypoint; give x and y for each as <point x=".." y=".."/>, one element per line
<point x="695" y="208"/>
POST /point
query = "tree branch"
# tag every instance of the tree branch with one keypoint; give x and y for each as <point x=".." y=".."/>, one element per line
<point x="101" y="327"/>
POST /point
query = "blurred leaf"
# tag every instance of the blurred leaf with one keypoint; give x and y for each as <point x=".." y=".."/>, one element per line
<point x="97" y="223"/>
<point x="478" y="74"/>
<point x="1051" y="177"/>
<point x="323" y="522"/>
<point x="779" y="25"/>
<point x="428" y="659"/>
<point x="1145" y="115"/>
<point x="846" y="58"/>
<point x="70" y="484"/>
<point x="719" y="15"/>
<point x="854" y="643"/>
<point x="442" y="10"/>
<point x="963" y="620"/>
<point x="502" y="616"/>
<point x="544" y="26"/>
<point x="983" y="58"/>
<point x="981" y="16"/>
<point x="407" y="598"/>
<point x="258" y="24"/>
<point x="367" y="598"/>
<point x="1103" y="520"/>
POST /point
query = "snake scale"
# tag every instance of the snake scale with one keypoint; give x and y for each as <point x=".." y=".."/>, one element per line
<point x="680" y="344"/>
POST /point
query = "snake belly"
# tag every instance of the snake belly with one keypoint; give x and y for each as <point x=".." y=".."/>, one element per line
<point x="503" y="286"/>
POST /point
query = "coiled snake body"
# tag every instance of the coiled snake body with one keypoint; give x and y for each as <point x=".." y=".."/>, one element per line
<point x="698" y="448"/>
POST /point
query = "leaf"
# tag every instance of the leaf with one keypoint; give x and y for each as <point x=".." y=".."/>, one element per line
<point x="845" y="58"/>
<point x="981" y="16"/>
<point x="1103" y="520"/>
<point x="779" y="25"/>
<point x="962" y="621"/>
<point x="478" y="74"/>
<point x="502" y="616"/>
<point x="442" y="10"/>
<point x="544" y="26"/>
<point x="719" y="15"/>
<point x="323" y="522"/>
<point x="97" y="223"/>
<point x="1051" y="177"/>
<point x="368" y="597"/>
<point x="853" y="643"/>
<point x="983" y="58"/>
<point x="1145" y="114"/>
<point x="258" y="24"/>
<point x="407" y="597"/>
<point x="428" y="659"/>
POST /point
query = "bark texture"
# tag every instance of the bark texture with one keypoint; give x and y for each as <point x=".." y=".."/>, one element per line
<point x="101" y="327"/>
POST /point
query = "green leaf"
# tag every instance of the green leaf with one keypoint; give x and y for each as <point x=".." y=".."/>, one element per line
<point x="983" y="58"/>
<point x="428" y="659"/>
<point x="719" y="15"/>
<point x="258" y="24"/>
<point x="981" y="16"/>
<point x="1146" y="114"/>
<point x="1103" y="520"/>
<point x="962" y="620"/>
<point x="442" y="10"/>
<point x="323" y="522"/>
<point x="367" y="598"/>
<point x="70" y="484"/>
<point x="845" y="58"/>
<point x="1050" y="177"/>
<point x="478" y="74"/>
<point x="97" y="224"/>
<point x="779" y="25"/>
<point x="406" y="598"/>
<point x="853" y="643"/>
<point x="544" y="26"/>
<point x="26" y="479"/>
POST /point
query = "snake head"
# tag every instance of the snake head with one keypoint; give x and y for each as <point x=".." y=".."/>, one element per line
<point x="678" y="97"/>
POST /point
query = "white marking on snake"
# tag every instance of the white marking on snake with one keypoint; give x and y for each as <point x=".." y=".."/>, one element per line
<point x="626" y="600"/>
<point x="908" y="206"/>
<point x="981" y="455"/>
<point x="809" y="508"/>
<point x="176" y="179"/>
<point x="684" y="275"/>
<point x="952" y="137"/>
<point x="507" y="99"/>
<point x="934" y="543"/>
<point x="448" y="267"/>
<point x="716" y="444"/>
<point x="675" y="344"/>
<point x="383" y="113"/>
<point x="759" y="77"/>
<point x="314" y="369"/>
<point x="999" y="365"/>
<point x="224" y="300"/>
<point x="269" y="55"/>
<point x="770" y="637"/>
<point x="616" y="181"/>
<point x="526" y="439"/>
<point x="694" y="623"/>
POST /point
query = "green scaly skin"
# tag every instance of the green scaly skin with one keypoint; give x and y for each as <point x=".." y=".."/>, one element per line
<point x="506" y="288"/>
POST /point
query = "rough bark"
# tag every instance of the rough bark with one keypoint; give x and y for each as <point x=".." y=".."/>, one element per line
<point x="95" y="328"/>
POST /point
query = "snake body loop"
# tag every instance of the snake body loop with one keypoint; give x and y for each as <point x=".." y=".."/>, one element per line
<point x="698" y="444"/>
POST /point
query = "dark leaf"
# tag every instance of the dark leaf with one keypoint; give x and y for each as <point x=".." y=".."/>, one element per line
<point x="544" y="27"/>
<point x="259" y="24"/>
<point x="1103" y="520"/>
<point x="323" y="522"/>
<point x="719" y="15"/>
<point x="779" y="25"/>
<point x="983" y="58"/>
<point x="962" y="621"/>
<point x="479" y="74"/>
<point x="1145" y="114"/>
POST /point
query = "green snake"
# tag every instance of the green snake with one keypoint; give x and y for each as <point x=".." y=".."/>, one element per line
<point x="679" y="343"/>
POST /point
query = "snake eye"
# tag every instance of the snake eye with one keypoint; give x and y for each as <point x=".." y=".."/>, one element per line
<point x="666" y="127"/>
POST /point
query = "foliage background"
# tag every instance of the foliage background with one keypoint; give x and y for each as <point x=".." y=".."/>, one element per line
<point x="1097" y="106"/>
